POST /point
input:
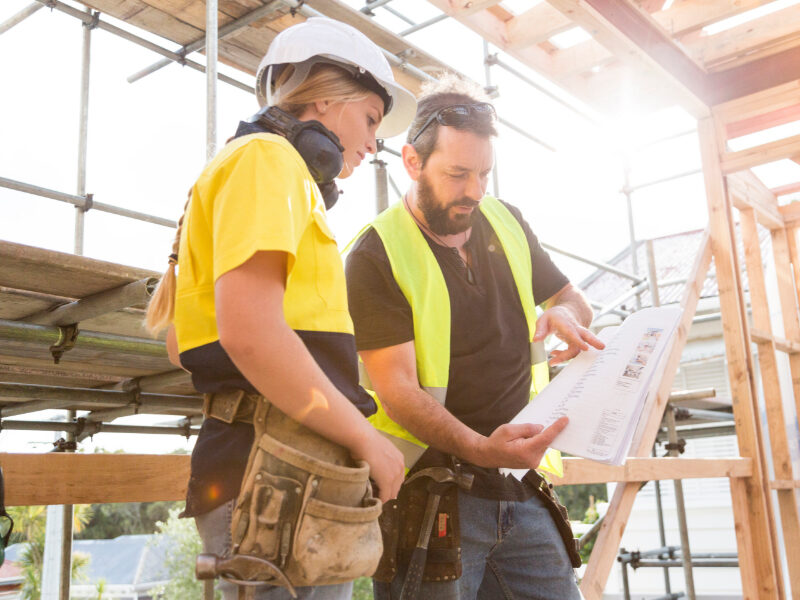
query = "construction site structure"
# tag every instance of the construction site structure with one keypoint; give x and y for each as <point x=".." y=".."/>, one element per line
<point x="70" y="326"/>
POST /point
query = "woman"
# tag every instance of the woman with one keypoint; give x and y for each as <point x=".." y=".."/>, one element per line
<point x="260" y="300"/>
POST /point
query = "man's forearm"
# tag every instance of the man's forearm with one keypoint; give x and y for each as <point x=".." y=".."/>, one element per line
<point x="432" y="423"/>
<point x="575" y="301"/>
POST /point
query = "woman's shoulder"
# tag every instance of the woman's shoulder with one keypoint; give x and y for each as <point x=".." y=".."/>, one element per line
<point x="260" y="146"/>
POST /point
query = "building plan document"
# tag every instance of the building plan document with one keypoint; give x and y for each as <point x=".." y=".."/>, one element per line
<point x="603" y="391"/>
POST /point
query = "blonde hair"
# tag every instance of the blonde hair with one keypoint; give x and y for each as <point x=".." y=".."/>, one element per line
<point x="324" y="82"/>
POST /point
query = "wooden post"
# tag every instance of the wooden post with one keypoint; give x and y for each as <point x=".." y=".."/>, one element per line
<point x="770" y="380"/>
<point x="757" y="521"/>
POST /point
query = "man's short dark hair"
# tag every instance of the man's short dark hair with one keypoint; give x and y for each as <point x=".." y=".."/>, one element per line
<point x="436" y="95"/>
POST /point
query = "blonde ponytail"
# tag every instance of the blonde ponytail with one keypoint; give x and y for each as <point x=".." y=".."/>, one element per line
<point x="161" y="309"/>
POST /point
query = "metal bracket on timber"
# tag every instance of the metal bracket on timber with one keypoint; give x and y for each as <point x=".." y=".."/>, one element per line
<point x="92" y="340"/>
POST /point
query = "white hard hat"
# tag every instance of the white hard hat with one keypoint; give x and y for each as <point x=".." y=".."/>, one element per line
<point x="325" y="40"/>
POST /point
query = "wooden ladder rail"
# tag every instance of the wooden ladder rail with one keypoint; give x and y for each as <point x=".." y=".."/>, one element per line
<point x="770" y="380"/>
<point x="619" y="509"/>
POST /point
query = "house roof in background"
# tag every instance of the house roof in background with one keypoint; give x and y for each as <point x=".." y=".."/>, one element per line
<point x="674" y="257"/>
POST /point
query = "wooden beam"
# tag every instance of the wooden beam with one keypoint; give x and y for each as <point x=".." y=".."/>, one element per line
<point x="622" y="88"/>
<point x="747" y="191"/>
<point x="754" y="512"/>
<point x="791" y="214"/>
<point x="494" y="30"/>
<point x="536" y="25"/>
<point x="785" y="190"/>
<point x="583" y="471"/>
<point x="747" y="41"/>
<point x="784" y="484"/>
<point x="753" y="77"/>
<point x="633" y="36"/>
<point x="459" y="8"/>
<point x="760" y="155"/>
<point x="784" y="249"/>
<point x="764" y="337"/>
<point x="773" y="118"/>
<point x="619" y="509"/>
<point x="689" y="15"/>
<point x="56" y="478"/>
<point x="580" y="59"/>
<point x="748" y="108"/>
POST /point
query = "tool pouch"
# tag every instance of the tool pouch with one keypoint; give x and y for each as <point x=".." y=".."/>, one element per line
<point x="559" y="513"/>
<point x="304" y="505"/>
<point x="400" y="527"/>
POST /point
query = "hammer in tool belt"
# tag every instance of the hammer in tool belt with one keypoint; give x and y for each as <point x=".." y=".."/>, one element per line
<point x="440" y="478"/>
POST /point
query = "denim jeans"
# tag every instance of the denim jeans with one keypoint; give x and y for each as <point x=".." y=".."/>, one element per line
<point x="215" y="531"/>
<point x="509" y="550"/>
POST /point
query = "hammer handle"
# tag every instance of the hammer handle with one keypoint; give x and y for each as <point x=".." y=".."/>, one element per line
<point x="416" y="566"/>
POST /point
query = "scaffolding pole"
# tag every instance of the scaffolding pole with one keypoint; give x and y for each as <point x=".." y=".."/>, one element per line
<point x="88" y="429"/>
<point x="19" y="17"/>
<point x="491" y="90"/>
<point x="15" y="331"/>
<point x="686" y="555"/>
<point x="91" y="397"/>
<point x="605" y="267"/>
<point x="212" y="47"/>
<point x="131" y="294"/>
<point x="84" y="202"/>
<point x="126" y="35"/>
<point x="423" y="25"/>
<point x="381" y="186"/>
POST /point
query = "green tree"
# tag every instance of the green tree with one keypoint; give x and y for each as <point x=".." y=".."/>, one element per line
<point x="181" y="538"/>
<point x="362" y="589"/>
<point x="577" y="497"/>
<point x="29" y="528"/>
<point x="112" y="520"/>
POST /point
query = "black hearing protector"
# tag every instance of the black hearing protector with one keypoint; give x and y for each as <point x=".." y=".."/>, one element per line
<point x="317" y="145"/>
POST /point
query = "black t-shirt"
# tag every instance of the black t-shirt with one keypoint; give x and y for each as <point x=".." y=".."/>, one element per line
<point x="490" y="368"/>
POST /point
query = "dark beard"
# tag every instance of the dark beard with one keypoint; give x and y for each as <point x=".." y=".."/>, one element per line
<point x="437" y="217"/>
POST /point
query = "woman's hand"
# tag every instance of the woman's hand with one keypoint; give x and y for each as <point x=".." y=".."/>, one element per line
<point x="386" y="466"/>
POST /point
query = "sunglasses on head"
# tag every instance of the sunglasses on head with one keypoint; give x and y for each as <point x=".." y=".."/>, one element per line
<point x="457" y="114"/>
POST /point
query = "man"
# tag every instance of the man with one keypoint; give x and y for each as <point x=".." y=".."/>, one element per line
<point x="442" y="290"/>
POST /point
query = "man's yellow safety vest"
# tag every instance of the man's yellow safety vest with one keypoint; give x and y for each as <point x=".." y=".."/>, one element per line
<point x="420" y="278"/>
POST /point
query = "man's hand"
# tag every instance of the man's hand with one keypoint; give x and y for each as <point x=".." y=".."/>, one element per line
<point x="561" y="321"/>
<point x="516" y="446"/>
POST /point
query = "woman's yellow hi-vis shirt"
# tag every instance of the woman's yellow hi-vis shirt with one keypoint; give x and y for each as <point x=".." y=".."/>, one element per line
<point x="257" y="195"/>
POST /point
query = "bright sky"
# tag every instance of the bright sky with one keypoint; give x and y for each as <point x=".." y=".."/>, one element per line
<point x="147" y="144"/>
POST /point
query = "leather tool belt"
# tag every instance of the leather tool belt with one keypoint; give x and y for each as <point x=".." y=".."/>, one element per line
<point x="401" y="520"/>
<point x="304" y="506"/>
<point x="545" y="492"/>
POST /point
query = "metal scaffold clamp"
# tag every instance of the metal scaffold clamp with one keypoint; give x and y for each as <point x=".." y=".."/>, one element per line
<point x="680" y="446"/>
<point x="62" y="445"/>
<point x="89" y="204"/>
<point x="67" y="336"/>
<point x="94" y="22"/>
<point x="296" y="9"/>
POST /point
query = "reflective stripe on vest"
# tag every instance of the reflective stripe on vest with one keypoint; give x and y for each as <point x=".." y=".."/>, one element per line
<point x="420" y="278"/>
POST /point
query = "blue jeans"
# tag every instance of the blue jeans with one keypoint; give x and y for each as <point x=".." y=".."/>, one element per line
<point x="509" y="550"/>
<point x="215" y="531"/>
